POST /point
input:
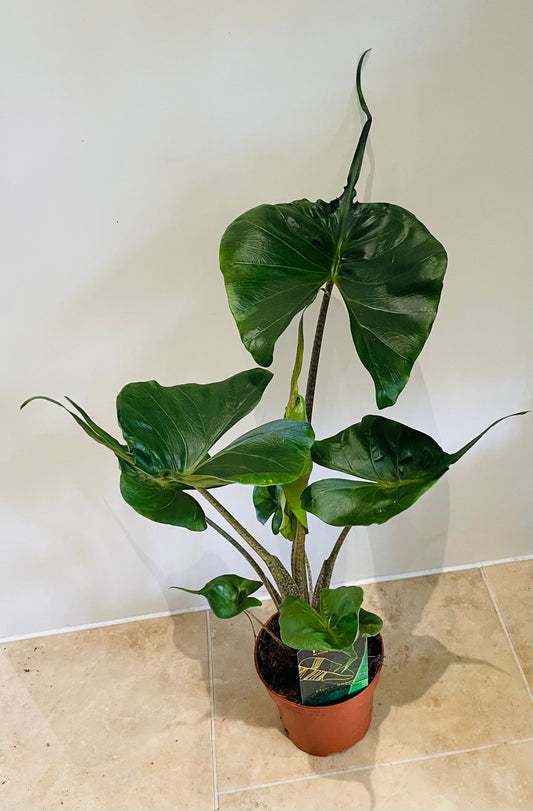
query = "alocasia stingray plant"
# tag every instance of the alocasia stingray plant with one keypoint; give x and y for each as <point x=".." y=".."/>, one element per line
<point x="276" y="259"/>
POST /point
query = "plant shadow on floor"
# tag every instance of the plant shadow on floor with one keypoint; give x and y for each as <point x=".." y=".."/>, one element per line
<point x="414" y="664"/>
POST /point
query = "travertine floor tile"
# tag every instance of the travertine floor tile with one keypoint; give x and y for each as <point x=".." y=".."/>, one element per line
<point x="449" y="682"/>
<point x="110" y="718"/>
<point x="511" y="586"/>
<point x="495" y="779"/>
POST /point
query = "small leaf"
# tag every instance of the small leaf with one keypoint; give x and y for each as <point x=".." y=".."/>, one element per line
<point x="228" y="594"/>
<point x="336" y="627"/>
<point x="266" y="502"/>
<point x="282" y="502"/>
<point x="369" y="624"/>
<point x="303" y="628"/>
<point x="293" y="494"/>
<point x="341" y="607"/>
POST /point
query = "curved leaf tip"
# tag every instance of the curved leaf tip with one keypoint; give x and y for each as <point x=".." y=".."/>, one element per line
<point x="357" y="160"/>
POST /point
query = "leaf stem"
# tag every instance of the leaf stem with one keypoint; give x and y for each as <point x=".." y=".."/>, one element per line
<point x="324" y="578"/>
<point x="253" y="563"/>
<point x="298" y="562"/>
<point x="315" y="354"/>
<point x="284" y="581"/>
<point x="264" y="627"/>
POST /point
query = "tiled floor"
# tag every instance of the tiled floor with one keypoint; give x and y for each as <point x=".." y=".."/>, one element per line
<point x="168" y="714"/>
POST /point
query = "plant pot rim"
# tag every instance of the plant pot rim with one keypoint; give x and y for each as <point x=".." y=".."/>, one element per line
<point x="320" y="708"/>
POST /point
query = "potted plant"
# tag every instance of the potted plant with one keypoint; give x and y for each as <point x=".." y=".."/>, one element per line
<point x="276" y="259"/>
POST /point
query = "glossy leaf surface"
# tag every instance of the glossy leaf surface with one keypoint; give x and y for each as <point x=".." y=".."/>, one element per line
<point x="169" y="431"/>
<point x="396" y="463"/>
<point x="273" y="453"/>
<point x="386" y="265"/>
<point x="228" y="594"/>
<point x="173" y="427"/>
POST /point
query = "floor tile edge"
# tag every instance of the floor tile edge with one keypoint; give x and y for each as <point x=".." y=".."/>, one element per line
<point x="371" y="766"/>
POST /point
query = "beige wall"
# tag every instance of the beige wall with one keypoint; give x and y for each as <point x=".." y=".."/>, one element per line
<point x="132" y="134"/>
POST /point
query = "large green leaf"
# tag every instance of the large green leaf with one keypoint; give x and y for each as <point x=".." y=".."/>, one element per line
<point x="173" y="427"/>
<point x="396" y="464"/>
<point x="273" y="453"/>
<point x="387" y="266"/>
<point x="170" y="430"/>
<point x="157" y="498"/>
<point x="228" y="594"/>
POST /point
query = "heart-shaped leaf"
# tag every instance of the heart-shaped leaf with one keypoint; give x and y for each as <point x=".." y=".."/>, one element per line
<point x="386" y="265"/>
<point x="173" y="427"/>
<point x="169" y="431"/>
<point x="228" y="594"/>
<point x="397" y="463"/>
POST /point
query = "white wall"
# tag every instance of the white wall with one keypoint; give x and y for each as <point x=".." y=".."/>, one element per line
<point x="132" y="134"/>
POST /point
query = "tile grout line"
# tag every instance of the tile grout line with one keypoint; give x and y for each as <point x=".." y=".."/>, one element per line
<point x="505" y="631"/>
<point x="213" y="710"/>
<point x="370" y="766"/>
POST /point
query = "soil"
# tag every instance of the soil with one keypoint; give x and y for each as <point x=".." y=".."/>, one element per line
<point x="279" y="664"/>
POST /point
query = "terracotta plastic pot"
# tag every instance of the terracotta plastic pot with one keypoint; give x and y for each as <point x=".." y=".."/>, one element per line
<point x="327" y="729"/>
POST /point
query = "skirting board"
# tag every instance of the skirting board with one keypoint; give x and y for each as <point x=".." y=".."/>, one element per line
<point x="262" y="596"/>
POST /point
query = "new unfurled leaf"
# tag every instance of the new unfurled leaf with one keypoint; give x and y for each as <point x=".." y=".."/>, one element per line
<point x="283" y="502"/>
<point x="295" y="409"/>
<point x="267" y="504"/>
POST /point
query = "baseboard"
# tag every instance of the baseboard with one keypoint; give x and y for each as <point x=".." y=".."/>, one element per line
<point x="263" y="596"/>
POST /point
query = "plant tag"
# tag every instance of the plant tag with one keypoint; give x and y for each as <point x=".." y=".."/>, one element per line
<point x="324" y="677"/>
